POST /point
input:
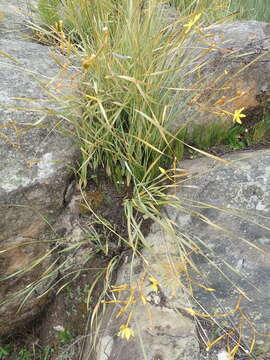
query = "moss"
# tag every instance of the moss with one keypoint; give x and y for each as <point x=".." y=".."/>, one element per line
<point x="94" y="198"/>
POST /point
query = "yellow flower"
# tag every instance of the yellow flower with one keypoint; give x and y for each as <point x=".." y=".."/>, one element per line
<point x="154" y="284"/>
<point x="237" y="116"/>
<point x="125" y="332"/>
<point x="191" y="23"/>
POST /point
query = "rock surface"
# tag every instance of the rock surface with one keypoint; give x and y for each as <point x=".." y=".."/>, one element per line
<point x="230" y="65"/>
<point x="14" y="15"/>
<point x="161" y="330"/>
<point x="225" y="230"/>
<point x="33" y="167"/>
<point x="224" y="212"/>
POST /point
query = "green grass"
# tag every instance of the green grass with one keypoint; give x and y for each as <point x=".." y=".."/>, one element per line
<point x="65" y="337"/>
<point x="231" y="136"/>
<point x="252" y="9"/>
<point x="9" y="352"/>
<point x="35" y="352"/>
<point x="243" y="9"/>
<point x="125" y="102"/>
<point x="48" y="10"/>
<point x="4" y="351"/>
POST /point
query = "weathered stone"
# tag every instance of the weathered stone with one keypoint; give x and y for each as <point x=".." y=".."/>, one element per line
<point x="162" y="331"/>
<point x="229" y="64"/>
<point x="34" y="171"/>
<point x="13" y="16"/>
<point x="225" y="230"/>
<point x="223" y="212"/>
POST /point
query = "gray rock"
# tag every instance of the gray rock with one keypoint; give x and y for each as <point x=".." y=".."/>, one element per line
<point x="14" y="14"/>
<point x="229" y="64"/>
<point x="161" y="330"/>
<point x="221" y="217"/>
<point x="222" y="212"/>
<point x="34" y="172"/>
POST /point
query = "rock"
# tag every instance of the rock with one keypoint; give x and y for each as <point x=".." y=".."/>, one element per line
<point x="13" y="16"/>
<point x="161" y="330"/>
<point x="222" y="212"/>
<point x="231" y="195"/>
<point x="34" y="172"/>
<point x="229" y="64"/>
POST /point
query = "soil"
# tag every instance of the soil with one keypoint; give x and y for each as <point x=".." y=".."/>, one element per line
<point x="61" y="327"/>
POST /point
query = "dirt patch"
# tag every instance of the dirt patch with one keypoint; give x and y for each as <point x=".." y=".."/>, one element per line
<point x="60" y="330"/>
<point x="63" y="326"/>
<point x="106" y="203"/>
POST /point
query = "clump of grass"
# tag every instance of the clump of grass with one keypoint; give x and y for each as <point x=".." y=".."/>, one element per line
<point x="121" y="111"/>
<point x="125" y="105"/>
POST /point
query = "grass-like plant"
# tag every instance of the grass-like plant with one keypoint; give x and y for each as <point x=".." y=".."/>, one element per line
<point x="125" y="105"/>
<point x="243" y="9"/>
<point x="251" y="9"/>
<point x="49" y="11"/>
<point x="120" y="111"/>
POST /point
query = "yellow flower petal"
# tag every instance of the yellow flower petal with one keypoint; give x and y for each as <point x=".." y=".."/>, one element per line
<point x="154" y="284"/>
<point x="125" y="332"/>
<point x="238" y="115"/>
<point x="191" y="23"/>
